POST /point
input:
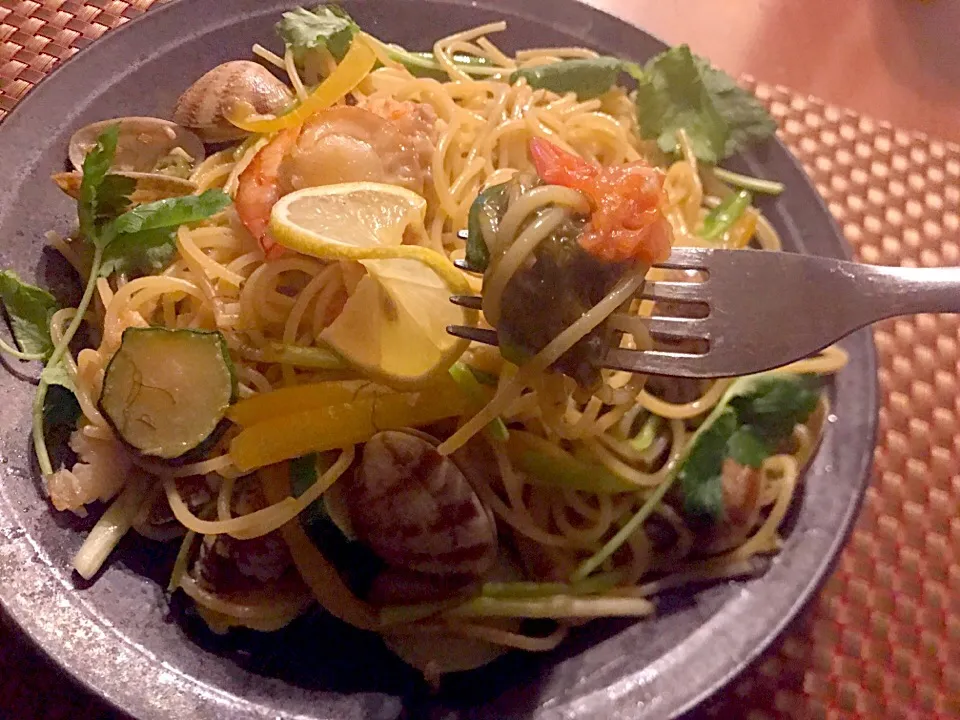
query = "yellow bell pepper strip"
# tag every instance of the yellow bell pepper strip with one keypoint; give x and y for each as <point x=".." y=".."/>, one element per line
<point x="286" y="401"/>
<point x="355" y="66"/>
<point x="339" y="425"/>
<point x="319" y="575"/>
<point x="546" y="464"/>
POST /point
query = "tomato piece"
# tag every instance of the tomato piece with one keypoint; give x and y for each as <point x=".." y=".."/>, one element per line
<point x="626" y="202"/>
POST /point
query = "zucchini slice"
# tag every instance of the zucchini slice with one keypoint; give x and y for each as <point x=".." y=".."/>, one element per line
<point x="166" y="391"/>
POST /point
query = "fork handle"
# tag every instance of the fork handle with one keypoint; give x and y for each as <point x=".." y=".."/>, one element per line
<point x="894" y="291"/>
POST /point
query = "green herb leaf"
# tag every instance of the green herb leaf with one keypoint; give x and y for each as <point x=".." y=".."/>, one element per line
<point x="746" y="447"/>
<point x="754" y="415"/>
<point x="141" y="241"/>
<point x="678" y="90"/>
<point x="748" y="121"/>
<point x="702" y="470"/>
<point x="587" y="77"/>
<point x="142" y="253"/>
<point x="56" y="374"/>
<point x="95" y="166"/>
<point x="171" y="213"/>
<point x="29" y="310"/>
<point x="776" y="403"/>
<point x="671" y="95"/>
<point x="113" y="197"/>
<point x="326" y="26"/>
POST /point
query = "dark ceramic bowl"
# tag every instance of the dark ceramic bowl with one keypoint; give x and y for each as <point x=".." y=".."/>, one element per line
<point x="125" y="639"/>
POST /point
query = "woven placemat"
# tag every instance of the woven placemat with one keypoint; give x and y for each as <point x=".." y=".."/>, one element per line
<point x="883" y="638"/>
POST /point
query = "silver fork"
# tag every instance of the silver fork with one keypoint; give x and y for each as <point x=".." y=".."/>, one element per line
<point x="763" y="309"/>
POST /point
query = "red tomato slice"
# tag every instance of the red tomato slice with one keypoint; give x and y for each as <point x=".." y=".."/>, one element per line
<point x="627" y="221"/>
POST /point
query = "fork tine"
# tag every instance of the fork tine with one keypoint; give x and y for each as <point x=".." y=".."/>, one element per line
<point x="473" y="302"/>
<point x="686" y="258"/>
<point x="678" y="328"/>
<point x="658" y="362"/>
<point x="474" y="334"/>
<point x="688" y="292"/>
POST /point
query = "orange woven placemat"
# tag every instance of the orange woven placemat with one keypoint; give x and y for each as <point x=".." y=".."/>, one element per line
<point x="883" y="638"/>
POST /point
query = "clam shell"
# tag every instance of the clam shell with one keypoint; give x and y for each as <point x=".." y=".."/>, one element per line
<point x="141" y="143"/>
<point x="150" y="186"/>
<point x="204" y="106"/>
<point x="415" y="509"/>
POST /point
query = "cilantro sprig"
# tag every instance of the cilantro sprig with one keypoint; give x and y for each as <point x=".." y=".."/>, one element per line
<point x="755" y="415"/>
<point x="677" y="90"/>
<point x="139" y="240"/>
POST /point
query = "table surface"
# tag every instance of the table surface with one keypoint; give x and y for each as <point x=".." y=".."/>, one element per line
<point x="895" y="60"/>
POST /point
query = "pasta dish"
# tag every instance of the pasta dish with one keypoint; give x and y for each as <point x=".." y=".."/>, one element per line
<point x="259" y="367"/>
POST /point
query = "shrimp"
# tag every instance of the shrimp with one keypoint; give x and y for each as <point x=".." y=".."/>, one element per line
<point x="626" y="202"/>
<point x="387" y="143"/>
<point x="258" y="189"/>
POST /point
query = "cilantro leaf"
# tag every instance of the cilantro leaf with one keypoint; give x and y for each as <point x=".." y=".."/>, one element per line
<point x="56" y="374"/>
<point x="587" y="77"/>
<point x="142" y="239"/>
<point x="776" y="403"/>
<point x="753" y="417"/>
<point x="671" y="95"/>
<point x="142" y="253"/>
<point x="113" y="196"/>
<point x="326" y="26"/>
<point x="702" y="470"/>
<point x="747" y="119"/>
<point x="678" y="90"/>
<point x="29" y="310"/>
<point x="171" y="212"/>
<point x="746" y="447"/>
<point x="95" y="166"/>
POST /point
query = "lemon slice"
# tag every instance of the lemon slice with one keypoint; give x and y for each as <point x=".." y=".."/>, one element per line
<point x="394" y="324"/>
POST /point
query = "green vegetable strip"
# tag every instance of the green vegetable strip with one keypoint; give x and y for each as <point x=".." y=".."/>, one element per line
<point x="586" y="77"/>
<point x="39" y="442"/>
<point x="403" y="614"/>
<point x="631" y="526"/>
<point x="597" y="584"/>
<point x="555" y="606"/>
<point x="566" y="471"/>
<point x="758" y="185"/>
<point x="463" y="375"/>
<point x="424" y="64"/>
<point x="648" y="433"/>
<point x="724" y="215"/>
<point x="111" y="527"/>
